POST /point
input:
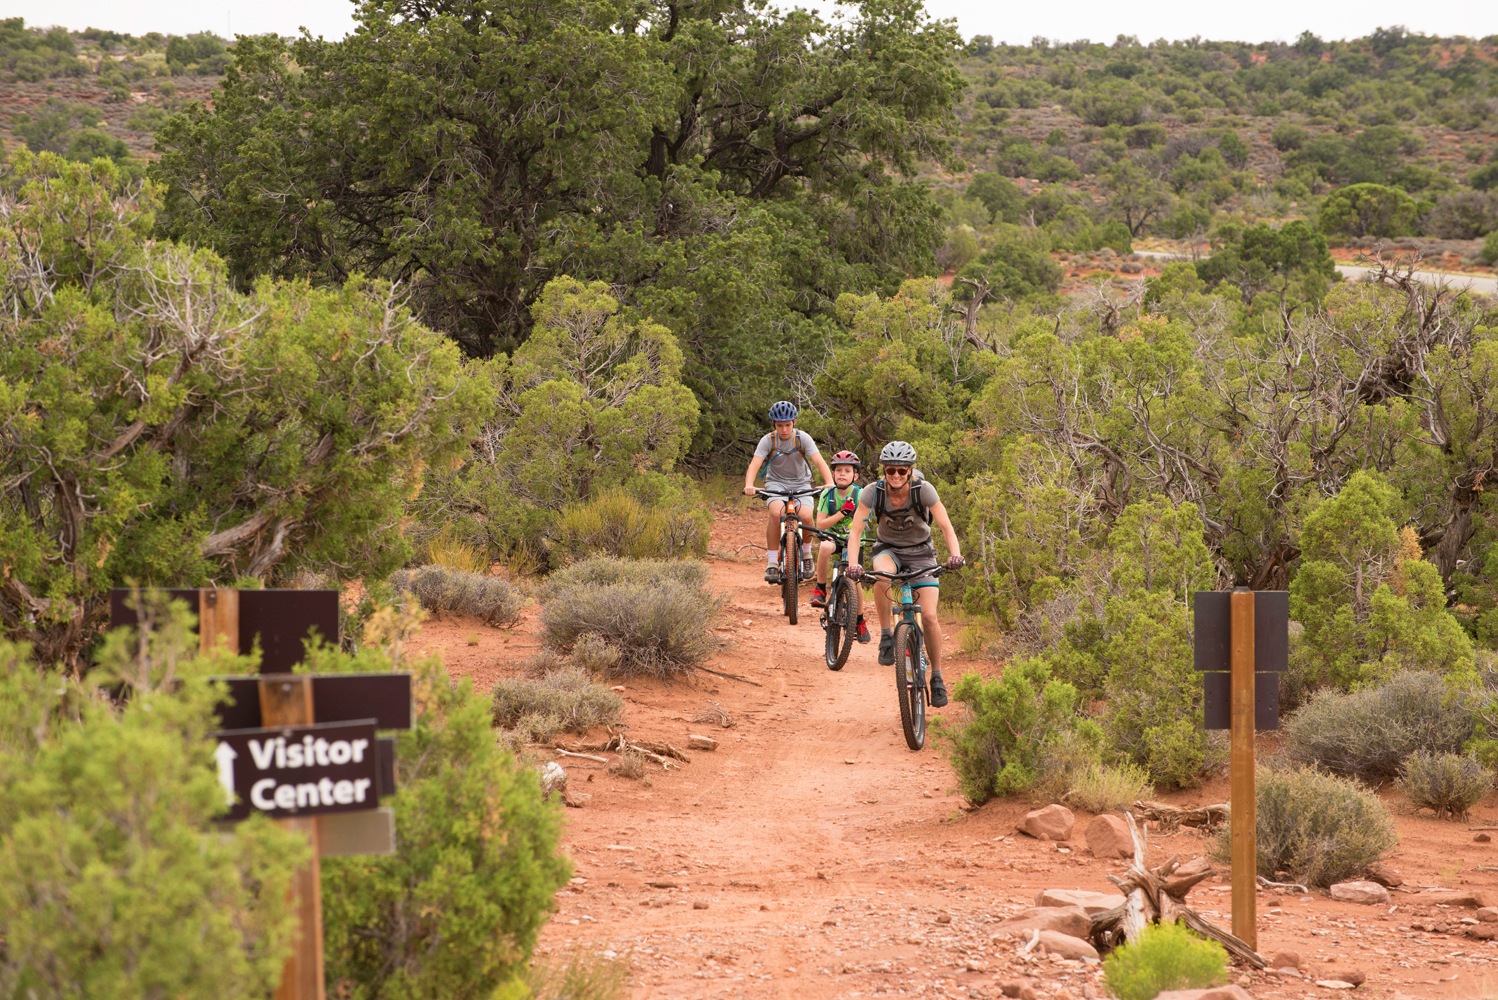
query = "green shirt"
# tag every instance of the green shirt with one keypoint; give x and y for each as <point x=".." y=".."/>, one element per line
<point x="831" y="500"/>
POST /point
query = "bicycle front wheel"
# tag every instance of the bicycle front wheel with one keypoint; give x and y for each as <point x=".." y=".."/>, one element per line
<point x="842" y="622"/>
<point x="910" y="684"/>
<point x="790" y="573"/>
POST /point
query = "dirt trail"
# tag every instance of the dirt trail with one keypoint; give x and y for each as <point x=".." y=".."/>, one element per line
<point x="812" y="855"/>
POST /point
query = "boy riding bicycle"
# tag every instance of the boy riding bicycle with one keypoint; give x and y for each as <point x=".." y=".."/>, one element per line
<point x="904" y="511"/>
<point x="787" y="455"/>
<point x="834" y="509"/>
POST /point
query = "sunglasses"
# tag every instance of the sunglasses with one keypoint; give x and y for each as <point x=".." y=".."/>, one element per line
<point x="897" y="470"/>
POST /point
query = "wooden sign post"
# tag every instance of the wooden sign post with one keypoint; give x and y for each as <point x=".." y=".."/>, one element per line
<point x="277" y="757"/>
<point x="1244" y="821"/>
<point x="1242" y="644"/>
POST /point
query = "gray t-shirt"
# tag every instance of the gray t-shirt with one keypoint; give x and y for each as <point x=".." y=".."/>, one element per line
<point x="789" y="462"/>
<point x="902" y="526"/>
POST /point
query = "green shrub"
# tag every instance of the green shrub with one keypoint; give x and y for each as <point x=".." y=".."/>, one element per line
<point x="1316" y="827"/>
<point x="1368" y="210"/>
<point x="657" y="621"/>
<point x="1490" y="248"/>
<point x="1100" y="788"/>
<point x="1448" y="784"/>
<point x="996" y="748"/>
<point x="1167" y="957"/>
<point x="489" y="598"/>
<point x="456" y="910"/>
<point x="574" y="700"/>
<point x="1369" y="733"/>
<point x="669" y="521"/>
<point x="114" y="881"/>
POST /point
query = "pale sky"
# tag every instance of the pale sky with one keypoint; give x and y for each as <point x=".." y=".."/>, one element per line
<point x="1067" y="20"/>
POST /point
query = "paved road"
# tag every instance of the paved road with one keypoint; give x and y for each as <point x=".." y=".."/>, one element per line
<point x="1352" y="272"/>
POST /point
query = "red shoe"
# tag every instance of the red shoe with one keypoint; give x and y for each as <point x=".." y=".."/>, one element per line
<point x="819" y="596"/>
<point x="863" y="630"/>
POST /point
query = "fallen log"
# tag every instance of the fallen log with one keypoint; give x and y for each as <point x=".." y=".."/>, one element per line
<point x="1170" y="817"/>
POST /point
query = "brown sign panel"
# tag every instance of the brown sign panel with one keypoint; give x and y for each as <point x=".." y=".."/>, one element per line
<point x="386" y="698"/>
<point x="1212" y="626"/>
<point x="299" y="770"/>
<point x="1217" y="708"/>
<point x="279" y="620"/>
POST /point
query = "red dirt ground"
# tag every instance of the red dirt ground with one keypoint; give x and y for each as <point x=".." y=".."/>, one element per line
<point x="812" y="855"/>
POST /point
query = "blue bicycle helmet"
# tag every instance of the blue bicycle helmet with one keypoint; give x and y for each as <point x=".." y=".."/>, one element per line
<point x="784" y="410"/>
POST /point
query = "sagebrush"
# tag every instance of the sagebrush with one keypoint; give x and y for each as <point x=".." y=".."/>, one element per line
<point x="439" y="588"/>
<point x="617" y="523"/>
<point x="1103" y="788"/>
<point x="579" y="975"/>
<point x="1167" y="957"/>
<point x="566" y="699"/>
<point x="1448" y="784"/>
<point x="657" y="622"/>
<point x="1317" y="828"/>
<point x="1368" y="734"/>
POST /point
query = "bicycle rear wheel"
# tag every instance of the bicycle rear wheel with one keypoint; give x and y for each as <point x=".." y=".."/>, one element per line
<point x="790" y="573"/>
<point x="842" y="622"/>
<point x="910" y="684"/>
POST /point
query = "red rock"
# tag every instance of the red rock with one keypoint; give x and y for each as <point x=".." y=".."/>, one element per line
<point x="1065" y="945"/>
<point x="1470" y="898"/>
<point x="1367" y="893"/>
<point x="1213" y="993"/>
<point x="1108" y="837"/>
<point x="1482" y="838"/>
<point x="1356" y="977"/>
<point x="1285" y="960"/>
<point x="1487" y="914"/>
<point x="1054" y="822"/>
<point x="1017" y="988"/>
<point x="1384" y="875"/>
<point x="1091" y="902"/>
<point x="1072" y="920"/>
<point x="1483" y="932"/>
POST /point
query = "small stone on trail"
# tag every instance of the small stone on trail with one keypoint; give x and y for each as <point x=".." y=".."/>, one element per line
<point x="764" y="907"/>
<point x="618" y="687"/>
<point x="928" y="795"/>
<point x="1356" y="977"/>
<point x="1487" y="914"/>
<point x="577" y="800"/>
<point x="1482" y="838"/>
<point x="1108" y="837"/>
<point x="701" y="743"/>
<point x="1212" y="993"/>
<point x="1285" y="960"/>
<point x="1335" y="984"/>
<point x="944" y="918"/>
<point x="1054" y="822"/>
<point x="1071" y="920"/>
<point x="1360" y="892"/>
<point x="552" y="777"/>
<point x="1017" y="988"/>
<point x="1483" y="932"/>
<point x="698" y="904"/>
<point x="1384" y="875"/>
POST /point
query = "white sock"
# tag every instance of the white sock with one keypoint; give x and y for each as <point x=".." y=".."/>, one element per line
<point x="772" y="557"/>
<point x="806" y="550"/>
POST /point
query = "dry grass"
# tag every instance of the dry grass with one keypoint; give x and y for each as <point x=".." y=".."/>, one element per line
<point x="657" y="615"/>
<point x="1448" y="784"/>
<point x="715" y="714"/>
<point x="577" y="975"/>
<point x="594" y="655"/>
<point x="630" y="765"/>
<point x="438" y="588"/>
<point x="1098" y="788"/>
<point x="566" y="700"/>
<point x="446" y="548"/>
<point x="542" y="662"/>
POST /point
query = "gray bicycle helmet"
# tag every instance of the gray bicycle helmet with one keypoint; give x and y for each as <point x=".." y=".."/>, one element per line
<point x="783" y="410"/>
<point x="898" y="453"/>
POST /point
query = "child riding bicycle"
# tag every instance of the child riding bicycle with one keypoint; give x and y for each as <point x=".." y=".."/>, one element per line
<point x="787" y="455"/>
<point x="904" y="507"/>
<point x="834" y="509"/>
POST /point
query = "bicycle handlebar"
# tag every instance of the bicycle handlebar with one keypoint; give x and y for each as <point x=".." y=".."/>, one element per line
<point x="909" y="574"/>
<point x="778" y="495"/>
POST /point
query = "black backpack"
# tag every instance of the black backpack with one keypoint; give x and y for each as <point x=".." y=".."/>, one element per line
<point x="916" y="482"/>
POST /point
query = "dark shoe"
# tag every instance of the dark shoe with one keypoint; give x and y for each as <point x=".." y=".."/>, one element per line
<point x="772" y="575"/>
<point x="863" y="630"/>
<point x="938" y="691"/>
<point x="819" y="596"/>
<point x="887" y="650"/>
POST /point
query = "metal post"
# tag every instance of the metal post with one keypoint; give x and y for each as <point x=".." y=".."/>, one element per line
<point x="286" y="700"/>
<point x="1244" y="828"/>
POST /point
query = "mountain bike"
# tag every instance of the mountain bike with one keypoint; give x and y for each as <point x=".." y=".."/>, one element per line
<point x="840" y="617"/>
<point x="910" y="653"/>
<point x="790" y="543"/>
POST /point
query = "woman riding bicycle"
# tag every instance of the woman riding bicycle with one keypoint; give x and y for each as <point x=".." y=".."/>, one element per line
<point x="790" y="454"/>
<point x="904" y="507"/>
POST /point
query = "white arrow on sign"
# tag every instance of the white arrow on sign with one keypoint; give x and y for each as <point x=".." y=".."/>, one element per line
<point x="225" y="756"/>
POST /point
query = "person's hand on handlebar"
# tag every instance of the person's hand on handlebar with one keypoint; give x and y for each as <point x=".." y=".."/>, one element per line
<point x="956" y="562"/>
<point x="750" y="491"/>
<point x="854" y="572"/>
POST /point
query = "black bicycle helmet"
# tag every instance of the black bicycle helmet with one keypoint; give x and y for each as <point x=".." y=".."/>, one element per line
<point x="897" y="453"/>
<point x="844" y="458"/>
<point x="784" y="410"/>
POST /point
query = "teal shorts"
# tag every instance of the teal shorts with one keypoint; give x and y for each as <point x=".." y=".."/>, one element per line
<point x="911" y="557"/>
